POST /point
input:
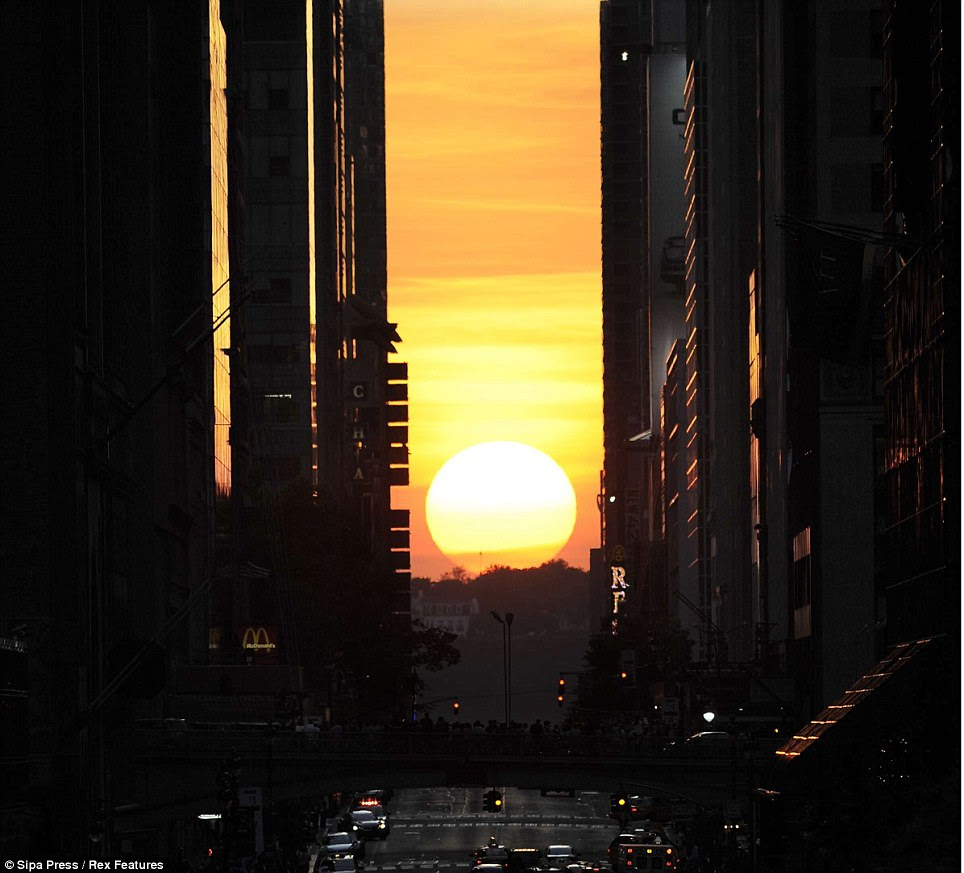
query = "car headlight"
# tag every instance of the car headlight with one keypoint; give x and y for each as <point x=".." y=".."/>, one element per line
<point x="354" y="827"/>
<point x="381" y="824"/>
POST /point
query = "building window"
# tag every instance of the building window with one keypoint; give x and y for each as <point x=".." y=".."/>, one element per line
<point x="277" y="98"/>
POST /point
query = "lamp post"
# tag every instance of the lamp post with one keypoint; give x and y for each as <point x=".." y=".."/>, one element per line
<point x="508" y="624"/>
<point x="505" y="664"/>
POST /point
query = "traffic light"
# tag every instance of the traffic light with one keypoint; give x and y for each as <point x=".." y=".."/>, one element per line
<point x="561" y="694"/>
<point x="492" y="801"/>
<point x="618" y="803"/>
<point x="627" y="668"/>
<point x="455" y="709"/>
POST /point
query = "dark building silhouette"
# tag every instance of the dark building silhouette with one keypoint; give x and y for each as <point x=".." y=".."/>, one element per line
<point x="815" y="334"/>
<point x="116" y="374"/>
<point x="378" y="420"/>
<point x="642" y="66"/>
<point x="195" y="283"/>
<point x="278" y="62"/>
<point x="624" y="27"/>
<point x="921" y="536"/>
<point x="326" y="406"/>
<point x="807" y="475"/>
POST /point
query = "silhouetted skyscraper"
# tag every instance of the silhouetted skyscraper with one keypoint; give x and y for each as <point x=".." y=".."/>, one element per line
<point x="115" y="431"/>
<point x="642" y="67"/>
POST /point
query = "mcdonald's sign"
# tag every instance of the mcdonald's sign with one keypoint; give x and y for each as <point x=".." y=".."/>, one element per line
<point x="259" y="641"/>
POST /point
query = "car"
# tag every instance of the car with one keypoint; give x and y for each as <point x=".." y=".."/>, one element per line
<point x="588" y="867"/>
<point x="491" y="855"/>
<point x="372" y="797"/>
<point x="708" y="743"/>
<point x="523" y="858"/>
<point x="341" y="864"/>
<point x="617" y="841"/>
<point x="378" y="811"/>
<point x="368" y="825"/>
<point x="559" y="855"/>
<point x="343" y="843"/>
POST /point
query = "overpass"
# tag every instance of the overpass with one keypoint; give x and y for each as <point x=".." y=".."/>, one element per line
<point x="178" y="769"/>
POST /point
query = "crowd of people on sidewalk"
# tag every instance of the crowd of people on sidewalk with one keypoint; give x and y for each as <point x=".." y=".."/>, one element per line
<point x="640" y="726"/>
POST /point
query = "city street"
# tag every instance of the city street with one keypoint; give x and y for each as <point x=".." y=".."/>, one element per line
<point x="448" y="824"/>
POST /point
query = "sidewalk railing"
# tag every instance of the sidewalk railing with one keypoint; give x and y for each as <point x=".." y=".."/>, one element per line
<point x="200" y="743"/>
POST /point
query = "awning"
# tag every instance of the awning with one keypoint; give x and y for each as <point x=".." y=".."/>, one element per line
<point x="862" y="691"/>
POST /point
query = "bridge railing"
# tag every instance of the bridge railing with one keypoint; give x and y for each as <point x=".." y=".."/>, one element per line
<point x="211" y="743"/>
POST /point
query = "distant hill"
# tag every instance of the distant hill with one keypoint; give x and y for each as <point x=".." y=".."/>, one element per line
<point x="550" y="599"/>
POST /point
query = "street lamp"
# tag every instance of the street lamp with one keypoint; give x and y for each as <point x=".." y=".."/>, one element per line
<point x="506" y="661"/>
<point x="508" y="624"/>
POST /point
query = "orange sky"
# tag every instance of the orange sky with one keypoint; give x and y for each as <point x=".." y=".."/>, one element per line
<point x="493" y="238"/>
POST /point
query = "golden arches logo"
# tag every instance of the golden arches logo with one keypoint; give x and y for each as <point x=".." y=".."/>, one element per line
<point x="257" y="639"/>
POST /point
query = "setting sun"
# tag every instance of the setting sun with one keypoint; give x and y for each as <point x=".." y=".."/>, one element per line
<point x="504" y="500"/>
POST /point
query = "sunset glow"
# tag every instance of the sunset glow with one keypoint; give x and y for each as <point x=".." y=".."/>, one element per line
<point x="492" y="112"/>
<point x="503" y="503"/>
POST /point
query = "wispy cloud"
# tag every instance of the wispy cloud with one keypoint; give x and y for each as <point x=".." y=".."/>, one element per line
<point x="493" y="212"/>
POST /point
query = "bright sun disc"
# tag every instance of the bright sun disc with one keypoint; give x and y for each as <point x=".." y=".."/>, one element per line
<point x="505" y="500"/>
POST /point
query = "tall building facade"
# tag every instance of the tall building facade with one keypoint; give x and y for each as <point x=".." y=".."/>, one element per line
<point x="642" y="63"/>
<point x="710" y="451"/>
<point x="774" y="432"/>
<point x="117" y="372"/>
<point x="810" y="276"/>
<point x="922" y="138"/>
<point x="624" y="27"/>
<point x="377" y="420"/>
<point x="279" y="238"/>
<point x="329" y="409"/>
